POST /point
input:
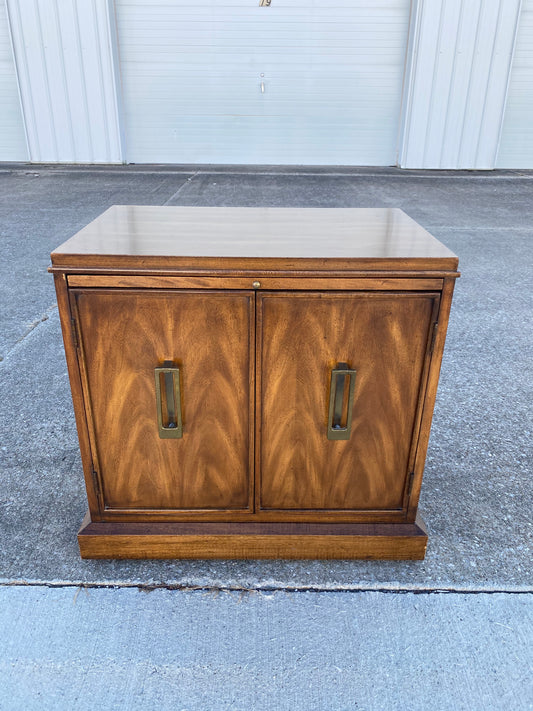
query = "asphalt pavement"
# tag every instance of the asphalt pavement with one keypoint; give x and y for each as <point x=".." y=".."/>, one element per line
<point x="453" y="631"/>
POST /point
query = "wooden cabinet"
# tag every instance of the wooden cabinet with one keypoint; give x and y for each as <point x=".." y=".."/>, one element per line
<point x="253" y="382"/>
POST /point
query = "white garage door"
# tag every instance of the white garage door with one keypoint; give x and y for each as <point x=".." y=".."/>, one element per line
<point x="12" y="137"/>
<point x="227" y="81"/>
<point x="516" y="144"/>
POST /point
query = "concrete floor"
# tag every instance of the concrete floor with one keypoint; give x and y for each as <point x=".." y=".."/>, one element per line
<point x="476" y="497"/>
<point x="263" y="652"/>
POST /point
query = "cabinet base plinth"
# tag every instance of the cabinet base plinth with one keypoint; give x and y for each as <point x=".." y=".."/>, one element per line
<point x="390" y="541"/>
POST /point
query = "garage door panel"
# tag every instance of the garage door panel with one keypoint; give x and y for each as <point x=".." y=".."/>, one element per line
<point x="516" y="144"/>
<point x="297" y="82"/>
<point x="12" y="137"/>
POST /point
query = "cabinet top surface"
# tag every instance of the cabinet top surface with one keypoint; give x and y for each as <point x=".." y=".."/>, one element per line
<point x="149" y="237"/>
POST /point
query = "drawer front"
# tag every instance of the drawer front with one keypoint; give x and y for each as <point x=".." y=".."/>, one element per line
<point x="205" y="338"/>
<point x="258" y="280"/>
<point x="385" y="339"/>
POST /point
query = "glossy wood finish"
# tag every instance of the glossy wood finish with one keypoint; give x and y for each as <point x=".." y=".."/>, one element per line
<point x="253" y="238"/>
<point x="254" y="475"/>
<point x="252" y="540"/>
<point x="386" y="339"/>
<point x="124" y="336"/>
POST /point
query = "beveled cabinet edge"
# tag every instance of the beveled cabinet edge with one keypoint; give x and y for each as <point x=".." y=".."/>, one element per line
<point x="96" y="479"/>
<point x="78" y="399"/>
<point x="430" y="396"/>
<point x="252" y="325"/>
<point x="422" y="392"/>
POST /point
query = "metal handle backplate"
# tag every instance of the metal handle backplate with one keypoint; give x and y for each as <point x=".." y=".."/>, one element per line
<point x="168" y="400"/>
<point x="341" y="402"/>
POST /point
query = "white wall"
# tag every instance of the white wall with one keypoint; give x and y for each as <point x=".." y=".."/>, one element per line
<point x="460" y="57"/>
<point x="331" y="72"/>
<point x="331" y="90"/>
<point x="65" y="65"/>
<point x="12" y="138"/>
<point x="516" y="144"/>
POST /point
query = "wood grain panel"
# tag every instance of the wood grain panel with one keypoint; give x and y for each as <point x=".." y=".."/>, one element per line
<point x="125" y="335"/>
<point x="385" y="338"/>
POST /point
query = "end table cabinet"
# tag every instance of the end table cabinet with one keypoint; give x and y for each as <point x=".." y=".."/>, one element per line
<point x="253" y="382"/>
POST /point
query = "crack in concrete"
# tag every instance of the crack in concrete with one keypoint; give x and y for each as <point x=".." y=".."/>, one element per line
<point x="31" y="327"/>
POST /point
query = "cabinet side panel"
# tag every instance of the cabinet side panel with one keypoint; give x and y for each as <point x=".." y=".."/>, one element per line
<point x="125" y="335"/>
<point x="384" y="337"/>
<point x="67" y="326"/>
<point x="431" y="394"/>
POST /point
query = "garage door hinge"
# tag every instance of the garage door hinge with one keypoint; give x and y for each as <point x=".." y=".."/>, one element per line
<point x="410" y="486"/>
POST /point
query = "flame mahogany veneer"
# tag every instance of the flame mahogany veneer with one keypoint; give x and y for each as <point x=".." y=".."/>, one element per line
<point x="252" y="309"/>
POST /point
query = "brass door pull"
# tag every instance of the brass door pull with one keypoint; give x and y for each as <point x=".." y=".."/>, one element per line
<point x="168" y="398"/>
<point x="340" y="402"/>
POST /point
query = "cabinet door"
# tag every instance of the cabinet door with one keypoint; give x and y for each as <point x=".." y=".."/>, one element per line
<point x="385" y="339"/>
<point x="125" y="335"/>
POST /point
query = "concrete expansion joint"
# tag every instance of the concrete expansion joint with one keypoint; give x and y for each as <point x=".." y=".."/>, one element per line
<point x="478" y="228"/>
<point x="185" y="182"/>
<point x="263" y="589"/>
<point x="191" y="171"/>
<point x="31" y="327"/>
